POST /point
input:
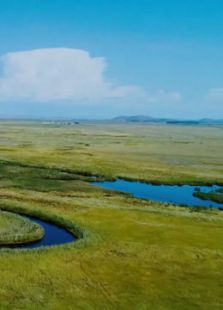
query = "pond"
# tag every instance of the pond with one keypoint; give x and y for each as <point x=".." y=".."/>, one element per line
<point x="180" y="195"/>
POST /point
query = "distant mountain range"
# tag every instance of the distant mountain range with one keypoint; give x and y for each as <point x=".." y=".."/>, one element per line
<point x="141" y="119"/>
<point x="152" y="120"/>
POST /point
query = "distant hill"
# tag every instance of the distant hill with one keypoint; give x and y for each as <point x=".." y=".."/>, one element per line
<point x="138" y="119"/>
<point x="149" y="119"/>
<point x="211" y="121"/>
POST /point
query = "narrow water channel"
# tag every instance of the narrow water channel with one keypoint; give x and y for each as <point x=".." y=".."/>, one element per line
<point x="54" y="235"/>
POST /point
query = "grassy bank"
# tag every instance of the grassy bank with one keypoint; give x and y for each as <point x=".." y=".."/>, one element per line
<point x="136" y="255"/>
<point x="15" y="229"/>
<point x="216" y="196"/>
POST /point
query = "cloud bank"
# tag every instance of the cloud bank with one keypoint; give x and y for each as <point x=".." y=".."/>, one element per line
<point x="68" y="75"/>
<point x="58" y="74"/>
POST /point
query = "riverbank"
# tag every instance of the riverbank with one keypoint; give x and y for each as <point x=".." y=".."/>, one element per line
<point x="216" y="196"/>
<point x="16" y="230"/>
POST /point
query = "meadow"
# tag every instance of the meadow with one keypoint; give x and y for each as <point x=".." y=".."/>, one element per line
<point x="131" y="253"/>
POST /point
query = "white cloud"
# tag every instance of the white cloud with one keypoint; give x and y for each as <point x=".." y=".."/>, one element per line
<point x="58" y="74"/>
<point x="62" y="74"/>
<point x="215" y="94"/>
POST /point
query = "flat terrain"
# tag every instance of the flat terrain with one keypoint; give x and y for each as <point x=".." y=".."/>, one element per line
<point x="134" y="254"/>
<point x="171" y="154"/>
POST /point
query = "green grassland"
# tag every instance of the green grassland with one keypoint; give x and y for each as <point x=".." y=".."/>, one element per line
<point x="132" y="254"/>
<point x="163" y="154"/>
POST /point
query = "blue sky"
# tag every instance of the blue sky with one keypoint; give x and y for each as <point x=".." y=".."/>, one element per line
<point x="102" y="58"/>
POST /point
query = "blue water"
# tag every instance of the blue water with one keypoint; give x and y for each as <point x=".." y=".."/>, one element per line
<point x="181" y="195"/>
<point x="54" y="235"/>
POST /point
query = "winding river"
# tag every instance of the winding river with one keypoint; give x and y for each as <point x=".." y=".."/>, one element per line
<point x="54" y="235"/>
<point x="180" y="195"/>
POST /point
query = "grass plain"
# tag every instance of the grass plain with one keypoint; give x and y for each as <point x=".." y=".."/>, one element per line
<point x="134" y="254"/>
